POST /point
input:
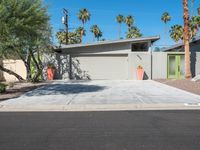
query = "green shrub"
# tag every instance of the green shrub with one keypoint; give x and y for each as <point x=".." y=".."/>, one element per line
<point x="2" y="88"/>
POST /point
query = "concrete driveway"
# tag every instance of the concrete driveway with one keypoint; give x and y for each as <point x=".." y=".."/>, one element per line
<point x="102" y="94"/>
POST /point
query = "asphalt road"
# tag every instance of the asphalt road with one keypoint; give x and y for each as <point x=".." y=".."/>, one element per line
<point x="130" y="130"/>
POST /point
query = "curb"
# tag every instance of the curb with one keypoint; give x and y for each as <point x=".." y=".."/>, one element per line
<point x="115" y="107"/>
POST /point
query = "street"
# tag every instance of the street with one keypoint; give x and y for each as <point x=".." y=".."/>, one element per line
<point x="120" y="130"/>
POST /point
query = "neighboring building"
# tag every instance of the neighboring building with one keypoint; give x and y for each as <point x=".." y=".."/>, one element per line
<point x="176" y="60"/>
<point x="109" y="59"/>
<point x="14" y="65"/>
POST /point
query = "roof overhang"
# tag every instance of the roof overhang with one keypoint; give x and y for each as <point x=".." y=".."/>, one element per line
<point x="180" y="45"/>
<point x="77" y="47"/>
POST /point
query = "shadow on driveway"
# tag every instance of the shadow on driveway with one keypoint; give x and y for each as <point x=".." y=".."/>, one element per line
<point x="64" y="89"/>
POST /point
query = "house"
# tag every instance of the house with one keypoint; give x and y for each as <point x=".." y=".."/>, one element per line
<point x="176" y="61"/>
<point x="118" y="60"/>
<point x="115" y="60"/>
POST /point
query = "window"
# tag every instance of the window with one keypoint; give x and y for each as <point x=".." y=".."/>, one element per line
<point x="139" y="47"/>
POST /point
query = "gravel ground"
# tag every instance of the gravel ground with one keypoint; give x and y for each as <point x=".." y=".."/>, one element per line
<point x="187" y="85"/>
<point x="19" y="89"/>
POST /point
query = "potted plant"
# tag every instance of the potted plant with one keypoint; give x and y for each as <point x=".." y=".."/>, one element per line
<point x="50" y="71"/>
<point x="140" y="72"/>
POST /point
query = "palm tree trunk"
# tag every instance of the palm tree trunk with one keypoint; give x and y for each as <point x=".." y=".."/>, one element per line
<point x="119" y="30"/>
<point x="81" y="37"/>
<point x="93" y="38"/>
<point x="165" y="34"/>
<point x="186" y="40"/>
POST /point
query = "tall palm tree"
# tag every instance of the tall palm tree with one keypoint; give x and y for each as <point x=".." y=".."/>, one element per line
<point x="186" y="38"/>
<point x="96" y="32"/>
<point x="166" y="18"/>
<point x="84" y="15"/>
<point x="129" y="20"/>
<point x="81" y="32"/>
<point x="133" y="32"/>
<point x="120" y="20"/>
<point x="176" y="32"/>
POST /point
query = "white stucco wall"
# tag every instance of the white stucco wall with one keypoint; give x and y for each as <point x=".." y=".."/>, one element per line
<point x="159" y="65"/>
<point x="15" y="65"/>
<point x="139" y="58"/>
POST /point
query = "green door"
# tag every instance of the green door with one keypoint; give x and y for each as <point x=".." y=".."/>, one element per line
<point x="176" y="65"/>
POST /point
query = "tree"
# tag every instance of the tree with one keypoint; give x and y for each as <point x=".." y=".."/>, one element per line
<point x="186" y="38"/>
<point x="84" y="15"/>
<point x="176" y="32"/>
<point x="129" y="20"/>
<point x="81" y="31"/>
<point x="165" y="18"/>
<point x="120" y="20"/>
<point x="133" y="32"/>
<point x="25" y="34"/>
<point x="194" y="26"/>
<point x="97" y="33"/>
<point x="74" y="37"/>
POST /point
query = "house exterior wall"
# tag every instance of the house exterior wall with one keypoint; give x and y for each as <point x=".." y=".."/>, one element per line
<point x="139" y="58"/>
<point x="197" y="63"/>
<point x="159" y="65"/>
<point x="16" y="66"/>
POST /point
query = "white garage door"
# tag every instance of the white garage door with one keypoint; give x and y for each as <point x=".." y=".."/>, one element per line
<point x="101" y="67"/>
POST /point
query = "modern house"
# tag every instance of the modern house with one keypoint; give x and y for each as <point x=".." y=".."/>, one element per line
<point x="118" y="60"/>
<point x="109" y="59"/>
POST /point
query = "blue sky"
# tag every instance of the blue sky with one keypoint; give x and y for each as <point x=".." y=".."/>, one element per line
<point x="147" y="16"/>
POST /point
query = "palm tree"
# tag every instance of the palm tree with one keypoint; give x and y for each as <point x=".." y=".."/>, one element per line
<point x="129" y="20"/>
<point x="165" y="18"/>
<point x="133" y="32"/>
<point x="194" y="26"/>
<point x="96" y="32"/>
<point x="84" y="15"/>
<point x="120" y="20"/>
<point x="176" y="32"/>
<point x="81" y="32"/>
<point x="186" y="38"/>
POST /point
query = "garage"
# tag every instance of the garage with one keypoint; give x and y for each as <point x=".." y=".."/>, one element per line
<point x="100" y="67"/>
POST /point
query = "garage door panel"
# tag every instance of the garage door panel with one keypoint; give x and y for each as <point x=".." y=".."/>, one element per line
<point x="101" y="67"/>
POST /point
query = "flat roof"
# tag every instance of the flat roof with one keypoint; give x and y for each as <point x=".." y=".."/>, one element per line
<point x="179" y="45"/>
<point x="152" y="38"/>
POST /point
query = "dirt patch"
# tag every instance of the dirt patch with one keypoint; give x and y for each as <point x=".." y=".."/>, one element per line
<point x="187" y="85"/>
<point x="20" y="88"/>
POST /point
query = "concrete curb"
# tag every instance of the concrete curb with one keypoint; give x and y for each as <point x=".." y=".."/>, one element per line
<point x="109" y="107"/>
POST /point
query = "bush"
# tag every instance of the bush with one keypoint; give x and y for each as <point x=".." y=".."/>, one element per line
<point x="2" y="88"/>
